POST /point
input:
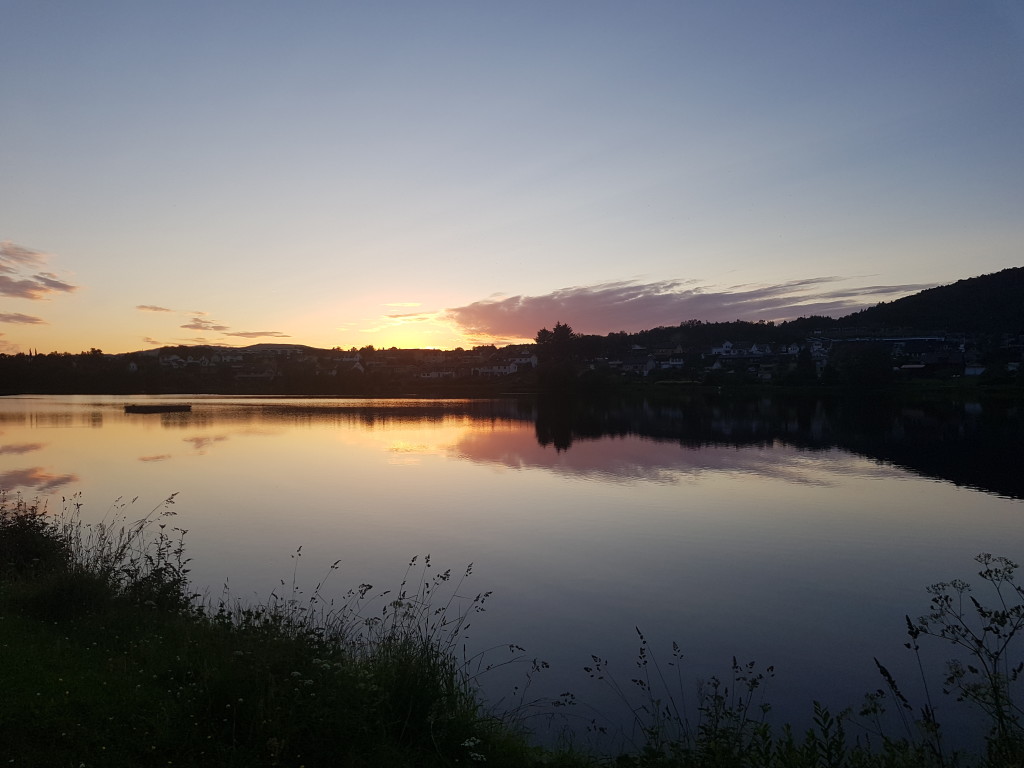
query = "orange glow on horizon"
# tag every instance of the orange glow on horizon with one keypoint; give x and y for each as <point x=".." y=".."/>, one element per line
<point x="430" y="334"/>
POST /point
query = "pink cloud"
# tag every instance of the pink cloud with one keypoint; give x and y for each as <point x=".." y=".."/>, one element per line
<point x="16" y="262"/>
<point x="13" y="257"/>
<point x="198" y="324"/>
<point x="631" y="306"/>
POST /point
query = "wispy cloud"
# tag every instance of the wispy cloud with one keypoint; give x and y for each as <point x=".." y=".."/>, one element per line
<point x="15" y="257"/>
<point x="35" y="288"/>
<point x="50" y="282"/>
<point x="403" y="304"/>
<point x="17" y="317"/>
<point x="199" y="324"/>
<point x="16" y="274"/>
<point x="259" y="334"/>
<point x="632" y="306"/>
<point x="197" y="321"/>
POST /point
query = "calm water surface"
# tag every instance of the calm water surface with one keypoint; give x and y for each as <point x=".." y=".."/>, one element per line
<point x="795" y="534"/>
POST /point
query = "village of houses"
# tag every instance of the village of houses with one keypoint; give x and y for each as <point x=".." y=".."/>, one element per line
<point x="942" y="356"/>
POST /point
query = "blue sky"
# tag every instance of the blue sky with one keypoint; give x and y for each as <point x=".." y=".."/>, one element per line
<point x="451" y="173"/>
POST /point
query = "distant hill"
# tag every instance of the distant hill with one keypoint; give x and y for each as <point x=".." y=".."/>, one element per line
<point x="987" y="304"/>
<point x="263" y="347"/>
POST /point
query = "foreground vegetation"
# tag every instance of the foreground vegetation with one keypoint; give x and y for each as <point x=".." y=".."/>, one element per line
<point x="108" y="659"/>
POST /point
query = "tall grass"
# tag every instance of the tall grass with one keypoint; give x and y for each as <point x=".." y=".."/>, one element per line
<point x="118" y="657"/>
<point x="723" y="721"/>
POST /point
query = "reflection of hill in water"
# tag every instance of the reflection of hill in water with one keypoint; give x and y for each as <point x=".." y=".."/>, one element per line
<point x="974" y="444"/>
<point x="970" y="444"/>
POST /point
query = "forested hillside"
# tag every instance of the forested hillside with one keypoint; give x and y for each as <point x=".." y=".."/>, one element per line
<point x="986" y="304"/>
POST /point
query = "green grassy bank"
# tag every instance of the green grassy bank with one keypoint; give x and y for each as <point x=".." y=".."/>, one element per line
<point x="107" y="659"/>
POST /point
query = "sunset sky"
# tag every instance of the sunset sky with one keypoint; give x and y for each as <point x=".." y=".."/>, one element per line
<point x="441" y="174"/>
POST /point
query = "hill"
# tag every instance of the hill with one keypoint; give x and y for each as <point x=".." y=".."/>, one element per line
<point x="991" y="303"/>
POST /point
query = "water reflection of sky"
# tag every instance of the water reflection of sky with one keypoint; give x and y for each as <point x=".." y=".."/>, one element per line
<point x="34" y="479"/>
<point x="634" y="459"/>
<point x="806" y="559"/>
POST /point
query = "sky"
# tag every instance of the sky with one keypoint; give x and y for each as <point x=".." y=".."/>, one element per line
<point x="444" y="174"/>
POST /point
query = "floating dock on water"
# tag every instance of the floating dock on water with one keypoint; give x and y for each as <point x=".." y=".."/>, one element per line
<point x="158" y="408"/>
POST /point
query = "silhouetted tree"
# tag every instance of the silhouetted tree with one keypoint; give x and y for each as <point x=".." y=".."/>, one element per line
<point x="556" y="343"/>
<point x="556" y="358"/>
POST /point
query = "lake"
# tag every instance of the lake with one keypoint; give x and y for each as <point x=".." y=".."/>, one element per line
<point x="795" y="532"/>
